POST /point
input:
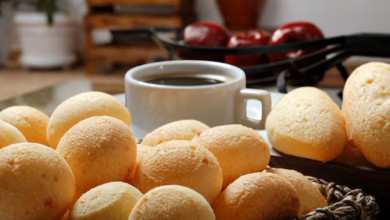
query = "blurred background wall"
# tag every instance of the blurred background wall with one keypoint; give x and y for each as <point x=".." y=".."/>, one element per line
<point x="334" y="17"/>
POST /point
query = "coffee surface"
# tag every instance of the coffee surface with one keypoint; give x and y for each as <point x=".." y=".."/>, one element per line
<point x="187" y="79"/>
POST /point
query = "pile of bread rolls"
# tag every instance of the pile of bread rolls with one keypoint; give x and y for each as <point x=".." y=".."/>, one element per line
<point x="83" y="161"/>
<point x="307" y="123"/>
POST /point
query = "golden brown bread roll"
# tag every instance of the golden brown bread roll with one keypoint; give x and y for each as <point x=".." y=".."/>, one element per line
<point x="180" y="162"/>
<point x="79" y="107"/>
<point x="9" y="134"/>
<point x="98" y="149"/>
<point x="111" y="200"/>
<point x="309" y="196"/>
<point x="258" y="196"/>
<point x="307" y="123"/>
<point x="172" y="202"/>
<point x="30" y="121"/>
<point x="239" y="150"/>
<point x="35" y="182"/>
<point x="178" y="130"/>
<point x="366" y="107"/>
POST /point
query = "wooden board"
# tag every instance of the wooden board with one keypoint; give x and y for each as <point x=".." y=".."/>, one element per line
<point x="130" y="20"/>
<point x="373" y="181"/>
<point x="124" y="53"/>
<point x="96" y="2"/>
<point x="178" y="6"/>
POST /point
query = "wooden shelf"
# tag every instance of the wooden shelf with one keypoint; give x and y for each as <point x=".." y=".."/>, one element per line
<point x="124" y="53"/>
<point x="97" y="2"/>
<point x="130" y="20"/>
<point x="181" y="14"/>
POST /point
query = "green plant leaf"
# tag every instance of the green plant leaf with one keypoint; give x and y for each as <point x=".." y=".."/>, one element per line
<point x="50" y="7"/>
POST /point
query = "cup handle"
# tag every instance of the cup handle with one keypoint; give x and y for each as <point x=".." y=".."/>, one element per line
<point x="244" y="95"/>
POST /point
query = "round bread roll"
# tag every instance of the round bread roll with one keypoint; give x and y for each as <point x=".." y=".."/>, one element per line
<point x="307" y="123"/>
<point x="309" y="196"/>
<point x="36" y="182"/>
<point x="183" y="163"/>
<point x="9" y="134"/>
<point x="83" y="106"/>
<point x="112" y="200"/>
<point x="178" y="130"/>
<point x="239" y="150"/>
<point x="258" y="196"/>
<point x="172" y="202"/>
<point x="141" y="150"/>
<point x="366" y="107"/>
<point x="30" y="121"/>
<point x="98" y="149"/>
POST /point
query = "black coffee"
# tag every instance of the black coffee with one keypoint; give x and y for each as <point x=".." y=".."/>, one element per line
<point x="187" y="79"/>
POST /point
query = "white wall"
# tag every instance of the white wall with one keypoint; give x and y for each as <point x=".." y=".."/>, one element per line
<point x="334" y="17"/>
<point x="76" y="8"/>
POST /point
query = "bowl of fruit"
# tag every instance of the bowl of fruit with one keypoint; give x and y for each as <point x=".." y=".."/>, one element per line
<point x="297" y="52"/>
<point x="261" y="54"/>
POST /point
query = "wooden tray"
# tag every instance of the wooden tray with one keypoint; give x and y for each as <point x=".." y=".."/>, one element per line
<point x="373" y="181"/>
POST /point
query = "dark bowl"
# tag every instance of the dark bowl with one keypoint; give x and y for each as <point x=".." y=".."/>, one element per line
<point x="169" y="40"/>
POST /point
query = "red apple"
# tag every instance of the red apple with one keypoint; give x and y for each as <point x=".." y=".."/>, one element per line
<point x="248" y="38"/>
<point x="294" y="31"/>
<point x="207" y="33"/>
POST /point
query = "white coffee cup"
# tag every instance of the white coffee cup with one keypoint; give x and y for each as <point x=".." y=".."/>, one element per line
<point x="153" y="105"/>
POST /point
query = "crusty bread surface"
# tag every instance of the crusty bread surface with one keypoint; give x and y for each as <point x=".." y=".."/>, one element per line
<point x="172" y="202"/>
<point x="98" y="149"/>
<point x="239" y="150"/>
<point x="366" y="107"/>
<point x="111" y="200"/>
<point x="306" y="122"/>
<point x="30" y="121"/>
<point x="82" y="106"/>
<point x="180" y="162"/>
<point x="177" y="130"/>
<point x="35" y="182"/>
<point x="258" y="196"/>
<point x="9" y="134"/>
<point x="310" y="197"/>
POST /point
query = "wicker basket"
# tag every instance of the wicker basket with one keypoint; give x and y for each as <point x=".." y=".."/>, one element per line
<point x="343" y="203"/>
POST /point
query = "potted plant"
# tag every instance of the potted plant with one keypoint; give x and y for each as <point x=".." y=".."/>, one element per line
<point x="47" y="34"/>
